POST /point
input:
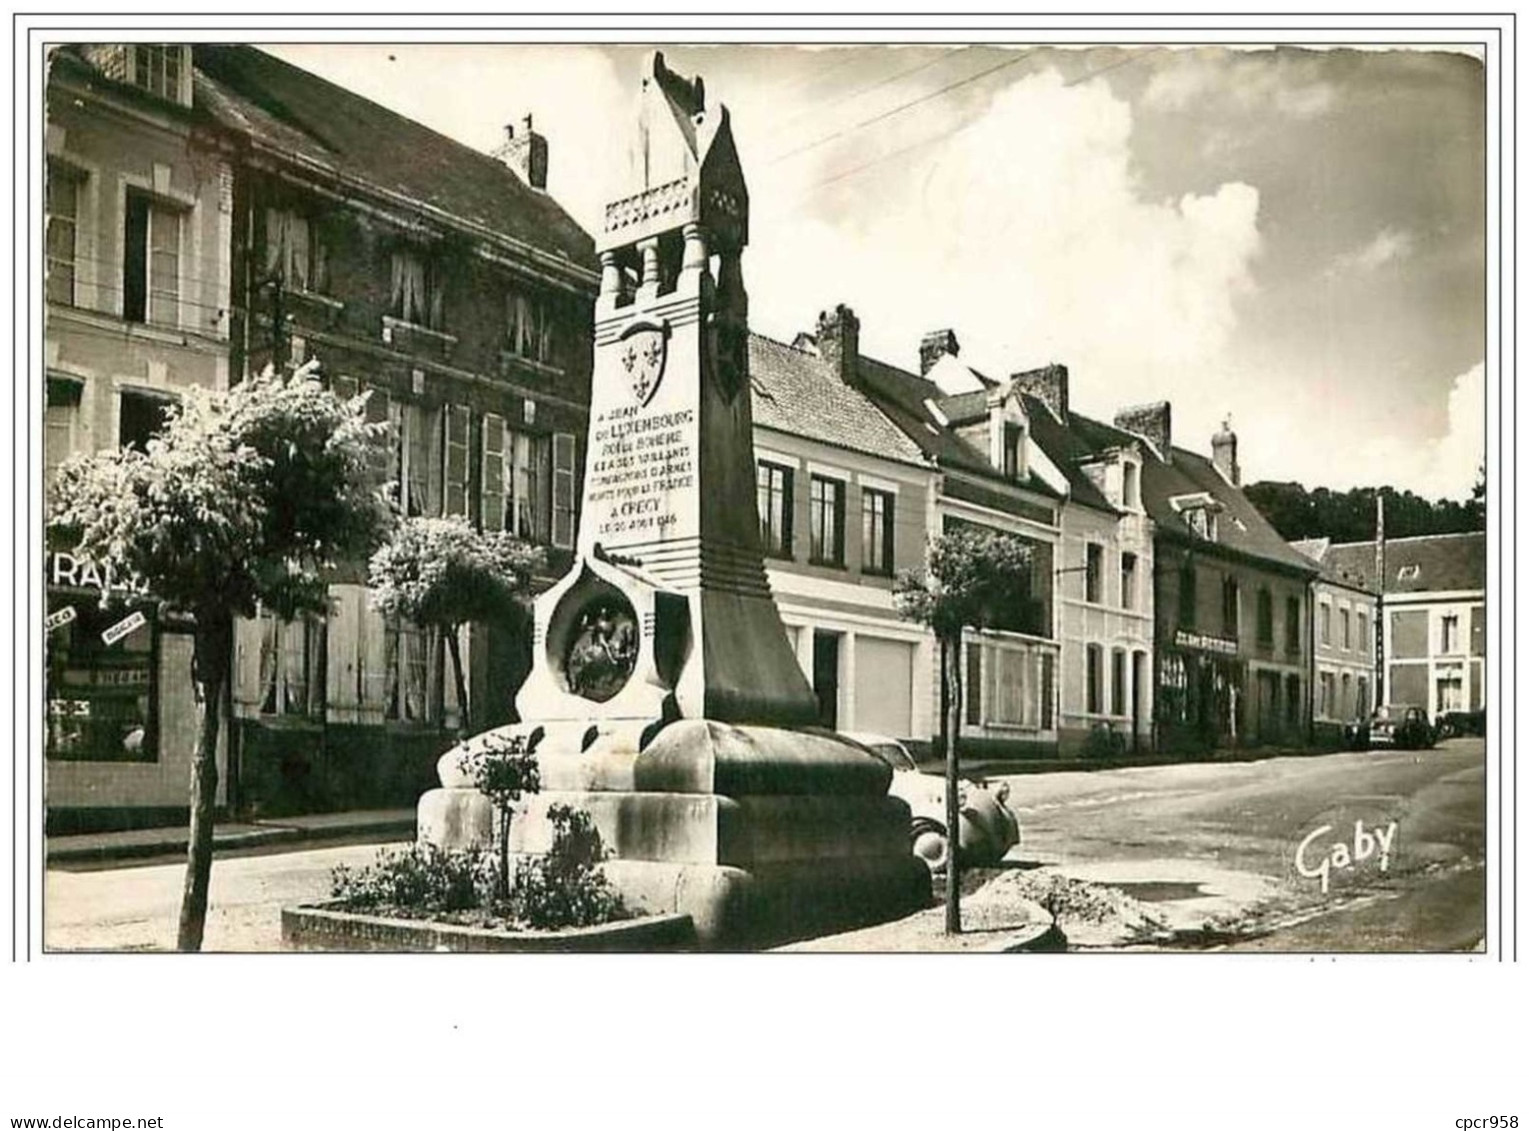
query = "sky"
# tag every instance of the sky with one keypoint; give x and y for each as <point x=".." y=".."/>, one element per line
<point x="1291" y="238"/>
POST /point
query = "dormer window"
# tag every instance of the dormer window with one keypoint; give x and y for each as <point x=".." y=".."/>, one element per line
<point x="1408" y="573"/>
<point x="1130" y="485"/>
<point x="1199" y="512"/>
<point x="158" y="68"/>
<point x="1013" y="450"/>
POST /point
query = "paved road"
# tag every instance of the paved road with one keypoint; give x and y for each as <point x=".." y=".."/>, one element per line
<point x="1204" y="843"/>
<point x="1227" y="837"/>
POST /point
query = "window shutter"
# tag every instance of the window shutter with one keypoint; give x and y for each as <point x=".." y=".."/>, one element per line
<point x="491" y="479"/>
<point x="562" y="489"/>
<point x="343" y="666"/>
<point x="164" y="265"/>
<point x="972" y="684"/>
<point x="454" y="468"/>
<point x="247" y="636"/>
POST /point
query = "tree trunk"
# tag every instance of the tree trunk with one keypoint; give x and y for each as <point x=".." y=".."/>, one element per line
<point x="952" y="665"/>
<point x="464" y="723"/>
<point x="209" y="666"/>
<point x="504" y="854"/>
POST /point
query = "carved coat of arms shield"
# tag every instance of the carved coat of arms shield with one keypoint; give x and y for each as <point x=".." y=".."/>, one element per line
<point x="644" y="348"/>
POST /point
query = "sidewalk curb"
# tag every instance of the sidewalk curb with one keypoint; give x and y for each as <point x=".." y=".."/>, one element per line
<point x="174" y="841"/>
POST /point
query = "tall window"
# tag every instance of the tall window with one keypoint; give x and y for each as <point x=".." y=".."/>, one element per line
<point x="1187" y="596"/>
<point x="514" y="481"/>
<point x="876" y="514"/>
<point x="458" y="433"/>
<point x="1013" y="450"/>
<point x="1343" y="629"/>
<point x="156" y="67"/>
<point x="1325" y="622"/>
<point x="1362" y="703"/>
<point x="530" y="326"/>
<point x="1093" y="573"/>
<point x="1127" y="580"/>
<point x="1449" y="634"/>
<point x="826" y="516"/>
<point x="151" y="261"/>
<point x="63" y="207"/>
<point x="293" y="251"/>
<point x="1095" y="678"/>
<point x="1366" y="643"/>
<point x="1265" y="618"/>
<point x="419" y="458"/>
<point x="774" y="497"/>
<point x="1118" y="682"/>
<point x="407" y="652"/>
<point x="1293" y="625"/>
<point x="1230" y="610"/>
<point x="418" y="289"/>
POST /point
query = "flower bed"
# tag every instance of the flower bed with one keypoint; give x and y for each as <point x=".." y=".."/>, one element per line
<point x="329" y="927"/>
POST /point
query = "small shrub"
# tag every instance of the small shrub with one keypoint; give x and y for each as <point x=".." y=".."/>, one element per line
<point x="505" y="771"/>
<point x="565" y="888"/>
<point x="418" y="881"/>
<point x="1104" y="742"/>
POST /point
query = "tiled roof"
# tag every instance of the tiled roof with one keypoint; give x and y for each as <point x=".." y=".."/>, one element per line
<point x="1066" y="448"/>
<point x="1338" y="571"/>
<point x="1239" y="526"/>
<point x="799" y="393"/>
<point x="902" y="396"/>
<point x="320" y="125"/>
<point x="1432" y="563"/>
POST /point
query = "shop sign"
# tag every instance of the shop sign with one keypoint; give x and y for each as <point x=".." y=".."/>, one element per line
<point x="57" y="620"/>
<point x="127" y="624"/>
<point x="1204" y="642"/>
<point x="65" y="569"/>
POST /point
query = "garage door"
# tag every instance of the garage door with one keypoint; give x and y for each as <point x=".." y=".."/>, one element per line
<point x="883" y="686"/>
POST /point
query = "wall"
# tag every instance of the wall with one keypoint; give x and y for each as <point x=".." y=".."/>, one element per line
<point x="1105" y="623"/>
<point x="884" y="661"/>
<point x="1419" y="670"/>
<point x="1336" y="659"/>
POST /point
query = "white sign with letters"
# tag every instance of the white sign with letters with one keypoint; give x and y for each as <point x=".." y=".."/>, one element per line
<point x="57" y="619"/>
<point x="127" y="624"/>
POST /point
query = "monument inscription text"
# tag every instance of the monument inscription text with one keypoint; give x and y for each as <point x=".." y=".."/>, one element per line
<point x="637" y="460"/>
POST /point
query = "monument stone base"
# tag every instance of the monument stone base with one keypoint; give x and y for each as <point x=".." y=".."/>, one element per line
<point x="758" y="833"/>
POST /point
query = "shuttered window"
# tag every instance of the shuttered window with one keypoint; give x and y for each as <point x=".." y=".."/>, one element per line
<point x="491" y="475"/>
<point x="562" y="489"/>
<point x="454" y="471"/>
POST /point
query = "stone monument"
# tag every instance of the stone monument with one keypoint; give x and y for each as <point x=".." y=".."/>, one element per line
<point x="670" y="703"/>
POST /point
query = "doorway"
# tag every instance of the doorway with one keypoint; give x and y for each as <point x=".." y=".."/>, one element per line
<point x="825" y="676"/>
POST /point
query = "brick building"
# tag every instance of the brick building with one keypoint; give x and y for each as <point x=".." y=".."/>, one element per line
<point x="453" y="287"/>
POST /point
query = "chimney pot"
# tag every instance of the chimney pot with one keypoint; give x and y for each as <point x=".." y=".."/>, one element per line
<point x="1152" y="421"/>
<point x="526" y="154"/>
<point x="1223" y="447"/>
<point x="1048" y="385"/>
<point x="935" y="345"/>
<point x="839" y="342"/>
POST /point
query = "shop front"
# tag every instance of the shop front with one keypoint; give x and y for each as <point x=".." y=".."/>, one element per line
<point x="120" y="710"/>
<point x="1201" y="693"/>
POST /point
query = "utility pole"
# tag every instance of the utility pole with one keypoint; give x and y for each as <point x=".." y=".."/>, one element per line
<point x="1380" y="599"/>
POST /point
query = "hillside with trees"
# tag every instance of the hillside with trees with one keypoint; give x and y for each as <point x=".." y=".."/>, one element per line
<point x="1349" y="516"/>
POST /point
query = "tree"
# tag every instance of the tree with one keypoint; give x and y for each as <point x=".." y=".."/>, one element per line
<point x="502" y="772"/>
<point x="442" y="573"/>
<point x="244" y="500"/>
<point x="972" y="579"/>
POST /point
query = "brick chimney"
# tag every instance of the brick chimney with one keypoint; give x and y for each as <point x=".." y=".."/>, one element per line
<point x="1223" y="447"/>
<point x="1048" y="385"/>
<point x="1152" y="421"/>
<point x="935" y="345"/>
<point x="839" y="342"/>
<point x="525" y="152"/>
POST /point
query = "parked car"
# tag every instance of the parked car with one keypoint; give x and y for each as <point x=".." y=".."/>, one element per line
<point x="1454" y="724"/>
<point x="989" y="827"/>
<point x="1401" y="727"/>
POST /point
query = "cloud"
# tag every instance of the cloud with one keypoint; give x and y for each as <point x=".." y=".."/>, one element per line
<point x="1027" y="231"/>
<point x="1339" y="446"/>
<point x="1388" y="246"/>
<point x="1284" y="82"/>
